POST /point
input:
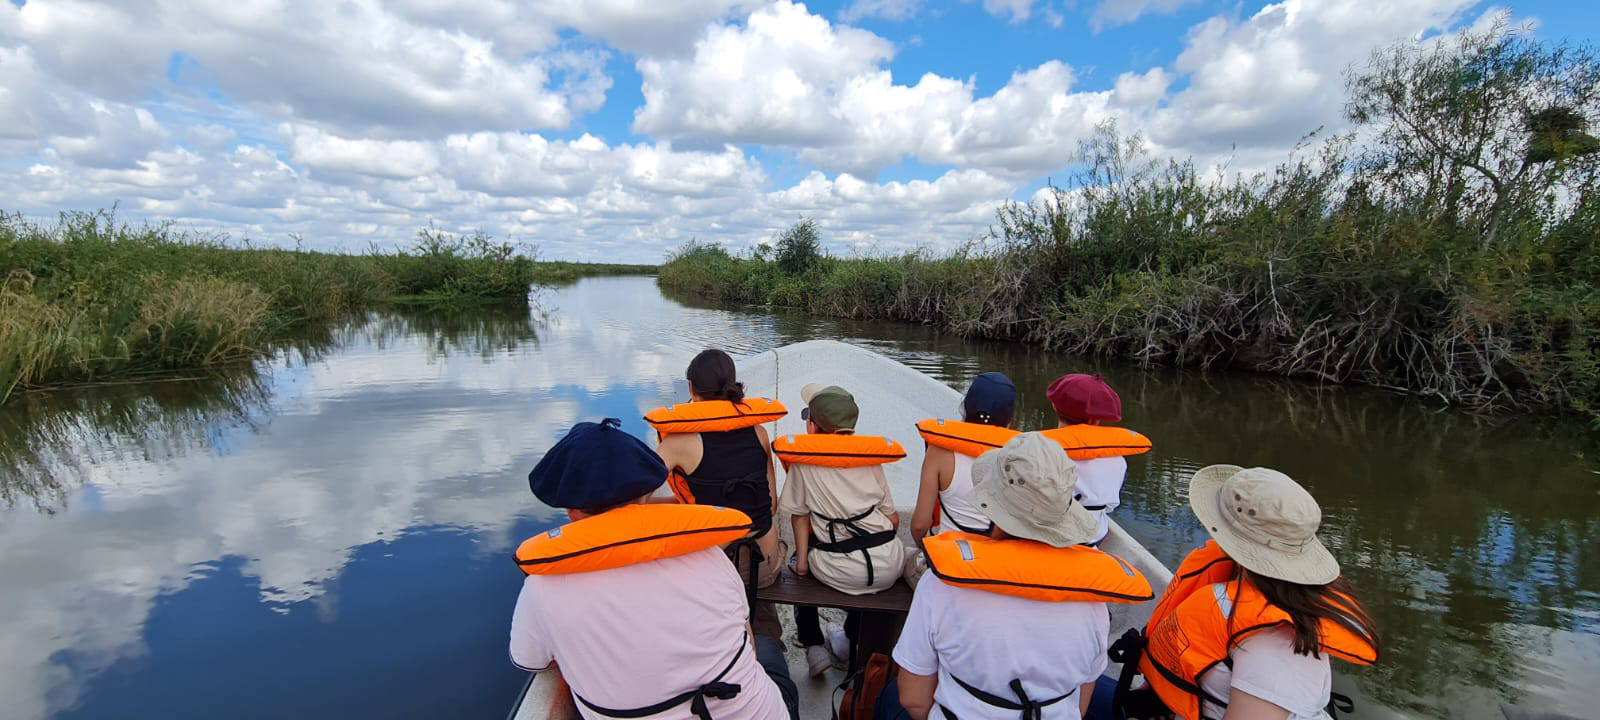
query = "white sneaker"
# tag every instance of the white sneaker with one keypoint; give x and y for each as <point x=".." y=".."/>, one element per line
<point x="818" y="660"/>
<point x="838" y="642"/>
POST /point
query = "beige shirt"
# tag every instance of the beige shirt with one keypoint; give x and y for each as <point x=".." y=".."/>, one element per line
<point x="842" y="493"/>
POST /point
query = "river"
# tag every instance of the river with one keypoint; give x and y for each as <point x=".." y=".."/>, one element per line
<point x="329" y="534"/>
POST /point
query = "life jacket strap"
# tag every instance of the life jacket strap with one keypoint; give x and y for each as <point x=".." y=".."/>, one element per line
<point x="753" y="561"/>
<point x="721" y="491"/>
<point x="696" y="697"/>
<point x="1030" y="709"/>
<point x="968" y="530"/>
<point x="858" y="540"/>
<point x="857" y="543"/>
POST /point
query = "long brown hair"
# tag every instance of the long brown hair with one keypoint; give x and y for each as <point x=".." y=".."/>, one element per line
<point x="712" y="376"/>
<point x="1308" y="605"/>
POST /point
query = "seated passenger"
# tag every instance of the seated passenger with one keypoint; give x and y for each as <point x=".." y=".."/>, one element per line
<point x="944" y="499"/>
<point x="1013" y="623"/>
<point x="720" y="454"/>
<point x="837" y="498"/>
<point x="1245" y="630"/>
<point x="636" y="603"/>
<point x="1082" y="403"/>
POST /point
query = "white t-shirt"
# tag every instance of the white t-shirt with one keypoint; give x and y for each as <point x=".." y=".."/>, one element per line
<point x="1266" y="666"/>
<point x="988" y="639"/>
<point x="637" y="635"/>
<point x="956" y="500"/>
<point x="1100" y="483"/>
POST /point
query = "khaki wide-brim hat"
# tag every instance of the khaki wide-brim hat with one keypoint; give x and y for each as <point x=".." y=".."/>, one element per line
<point x="1265" y="521"/>
<point x="1027" y="489"/>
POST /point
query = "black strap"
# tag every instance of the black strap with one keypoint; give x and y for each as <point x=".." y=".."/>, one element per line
<point x="1030" y="709"/>
<point x="965" y="529"/>
<point x="1126" y="702"/>
<point x="857" y="540"/>
<point x="1094" y="508"/>
<point x="696" y="697"/>
<point x="756" y="557"/>
<point x="857" y="543"/>
<point x="1339" y="703"/>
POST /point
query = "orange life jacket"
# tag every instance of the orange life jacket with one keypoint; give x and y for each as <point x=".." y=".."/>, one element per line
<point x="1087" y="442"/>
<point x="630" y="535"/>
<point x="966" y="438"/>
<point x="832" y="450"/>
<point x="1205" y="612"/>
<point x="713" y="416"/>
<point x="1034" y="570"/>
<point x="1082" y="442"/>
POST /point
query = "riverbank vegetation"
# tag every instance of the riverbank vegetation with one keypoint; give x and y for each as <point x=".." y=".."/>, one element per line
<point x="91" y="300"/>
<point x="1446" y="247"/>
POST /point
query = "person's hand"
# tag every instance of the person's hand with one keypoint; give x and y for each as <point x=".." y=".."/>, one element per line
<point x="798" y="565"/>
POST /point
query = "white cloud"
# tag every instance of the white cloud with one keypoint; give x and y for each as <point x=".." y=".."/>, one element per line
<point x="642" y="27"/>
<point x="1016" y="10"/>
<point x="397" y="159"/>
<point x="359" y="65"/>
<point x="32" y="105"/>
<point x="121" y="136"/>
<point x="787" y="77"/>
<point x="768" y="81"/>
<point x="1136" y="90"/>
<point x="1266" y="81"/>
<point x="1111" y="13"/>
<point x="886" y="9"/>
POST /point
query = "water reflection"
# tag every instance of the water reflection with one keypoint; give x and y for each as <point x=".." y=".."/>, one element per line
<point x="49" y="442"/>
<point x="326" y="536"/>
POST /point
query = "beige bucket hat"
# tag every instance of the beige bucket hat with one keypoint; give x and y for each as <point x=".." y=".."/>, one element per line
<point x="1265" y="521"/>
<point x="1027" y="486"/>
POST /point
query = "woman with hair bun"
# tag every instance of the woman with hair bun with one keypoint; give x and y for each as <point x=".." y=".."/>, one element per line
<point x="718" y="453"/>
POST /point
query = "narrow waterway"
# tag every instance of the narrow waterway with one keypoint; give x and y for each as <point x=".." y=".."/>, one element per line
<point x="329" y="536"/>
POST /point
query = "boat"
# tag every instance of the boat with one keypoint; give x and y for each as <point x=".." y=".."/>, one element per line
<point x="893" y="398"/>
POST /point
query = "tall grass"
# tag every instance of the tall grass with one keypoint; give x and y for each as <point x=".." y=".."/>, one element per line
<point x="89" y="299"/>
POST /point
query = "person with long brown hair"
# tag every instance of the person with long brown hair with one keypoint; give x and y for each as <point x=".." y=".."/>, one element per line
<point x="1246" y="629"/>
<point x="731" y="468"/>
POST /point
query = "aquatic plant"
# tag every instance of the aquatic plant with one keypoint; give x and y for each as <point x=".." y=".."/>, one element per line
<point x="91" y="300"/>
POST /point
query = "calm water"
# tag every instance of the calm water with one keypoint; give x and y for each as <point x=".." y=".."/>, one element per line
<point x="330" y="537"/>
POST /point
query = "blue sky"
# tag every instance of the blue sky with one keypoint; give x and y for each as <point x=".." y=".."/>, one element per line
<point x="607" y="129"/>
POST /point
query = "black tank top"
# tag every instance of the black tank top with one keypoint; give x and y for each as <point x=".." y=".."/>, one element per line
<point x="733" y="473"/>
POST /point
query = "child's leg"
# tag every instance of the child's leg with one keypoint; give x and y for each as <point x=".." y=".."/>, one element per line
<point x="808" y="626"/>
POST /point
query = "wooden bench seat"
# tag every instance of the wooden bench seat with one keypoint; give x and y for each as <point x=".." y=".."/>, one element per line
<point x="791" y="589"/>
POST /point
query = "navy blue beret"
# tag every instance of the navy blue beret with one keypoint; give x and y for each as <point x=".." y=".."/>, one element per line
<point x="596" y="465"/>
<point x="992" y="395"/>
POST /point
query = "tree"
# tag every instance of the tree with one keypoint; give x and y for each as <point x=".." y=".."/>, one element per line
<point x="799" y="249"/>
<point x="1480" y="127"/>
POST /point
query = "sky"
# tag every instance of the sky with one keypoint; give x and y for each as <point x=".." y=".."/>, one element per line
<point x="617" y="130"/>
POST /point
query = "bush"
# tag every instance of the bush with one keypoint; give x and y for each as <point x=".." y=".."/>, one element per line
<point x="799" y="248"/>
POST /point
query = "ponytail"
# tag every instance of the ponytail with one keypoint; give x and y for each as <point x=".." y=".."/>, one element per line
<point x="712" y="376"/>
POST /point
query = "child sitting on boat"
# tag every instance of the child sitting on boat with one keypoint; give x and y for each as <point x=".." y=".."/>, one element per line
<point x="1082" y="403"/>
<point x="844" y="519"/>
